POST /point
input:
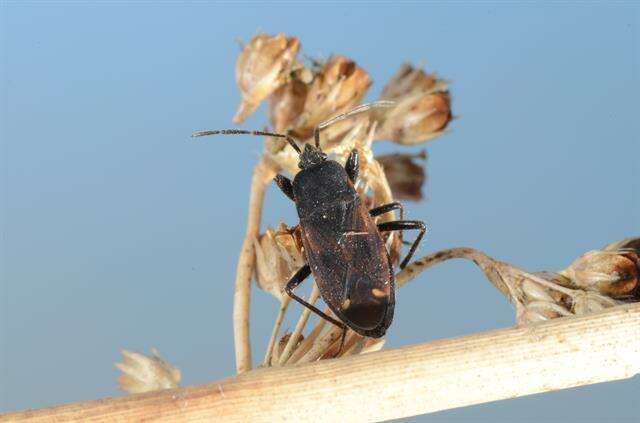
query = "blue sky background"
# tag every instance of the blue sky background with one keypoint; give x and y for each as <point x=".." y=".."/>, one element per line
<point x="119" y="231"/>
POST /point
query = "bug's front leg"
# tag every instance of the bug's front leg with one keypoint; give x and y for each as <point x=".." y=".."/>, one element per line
<point x="352" y="166"/>
<point x="285" y="185"/>
<point x="403" y="225"/>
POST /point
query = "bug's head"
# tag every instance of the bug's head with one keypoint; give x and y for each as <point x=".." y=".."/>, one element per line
<point x="311" y="156"/>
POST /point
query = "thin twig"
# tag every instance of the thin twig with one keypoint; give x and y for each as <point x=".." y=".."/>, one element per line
<point x="307" y="342"/>
<point x="284" y="303"/>
<point x="302" y="321"/>
<point x="484" y="262"/>
<point x="322" y="344"/>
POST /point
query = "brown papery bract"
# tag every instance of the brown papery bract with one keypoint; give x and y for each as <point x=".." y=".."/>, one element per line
<point x="286" y="104"/>
<point x="422" y="110"/>
<point x="336" y="88"/>
<point x="611" y="273"/>
<point x="278" y="257"/>
<point x="417" y="118"/>
<point x="405" y="175"/>
<point x="407" y="81"/>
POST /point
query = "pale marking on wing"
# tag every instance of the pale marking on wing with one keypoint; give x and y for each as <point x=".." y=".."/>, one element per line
<point x="345" y="304"/>
<point x="378" y="293"/>
<point x="347" y="234"/>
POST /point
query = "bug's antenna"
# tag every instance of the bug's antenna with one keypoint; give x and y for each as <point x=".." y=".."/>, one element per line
<point x="357" y="110"/>
<point x="290" y="139"/>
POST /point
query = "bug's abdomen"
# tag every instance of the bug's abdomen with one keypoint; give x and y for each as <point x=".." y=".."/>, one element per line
<point x="350" y="263"/>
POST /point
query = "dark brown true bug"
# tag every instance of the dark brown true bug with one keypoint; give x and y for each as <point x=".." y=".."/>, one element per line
<point x="342" y="244"/>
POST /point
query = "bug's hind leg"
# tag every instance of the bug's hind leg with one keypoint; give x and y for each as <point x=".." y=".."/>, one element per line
<point x="296" y="280"/>
<point x="285" y="185"/>
<point x="402" y="225"/>
<point x="352" y="166"/>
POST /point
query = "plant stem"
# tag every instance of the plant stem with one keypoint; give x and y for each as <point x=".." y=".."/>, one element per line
<point x="449" y="373"/>
<point x="262" y="176"/>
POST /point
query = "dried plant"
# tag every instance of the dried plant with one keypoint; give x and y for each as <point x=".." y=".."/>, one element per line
<point x="595" y="281"/>
<point x="141" y="373"/>
<point x="298" y="103"/>
<point x="405" y="176"/>
<point x="263" y="66"/>
<point x="418" y="109"/>
<point x="422" y="109"/>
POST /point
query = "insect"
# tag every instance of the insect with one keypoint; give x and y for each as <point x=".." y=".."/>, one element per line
<point x="343" y="245"/>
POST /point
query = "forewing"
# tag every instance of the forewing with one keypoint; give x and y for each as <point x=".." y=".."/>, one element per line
<point x="349" y="262"/>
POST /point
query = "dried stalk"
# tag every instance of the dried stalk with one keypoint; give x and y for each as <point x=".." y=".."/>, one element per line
<point x="306" y="344"/>
<point x="484" y="262"/>
<point x="262" y="176"/>
<point x="411" y="380"/>
<point x="302" y="321"/>
<point x="284" y="303"/>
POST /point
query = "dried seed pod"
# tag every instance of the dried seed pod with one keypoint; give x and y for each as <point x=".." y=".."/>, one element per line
<point x="405" y="176"/>
<point x="416" y="118"/>
<point x="625" y="244"/>
<point x="337" y="88"/>
<point x="612" y="273"/>
<point x="422" y="110"/>
<point x="141" y="373"/>
<point x="590" y="302"/>
<point x="262" y="67"/>
<point x="541" y="302"/>
<point x="535" y="292"/>
<point x="286" y="104"/>
<point x="408" y="80"/>
<point x="278" y="257"/>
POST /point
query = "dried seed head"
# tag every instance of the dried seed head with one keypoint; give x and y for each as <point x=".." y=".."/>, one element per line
<point x="417" y="118"/>
<point x="626" y="244"/>
<point x="262" y="67"/>
<point x="278" y="257"/>
<point x="535" y="292"/>
<point x="406" y="177"/>
<point x="422" y="108"/>
<point x="611" y="273"/>
<point x="539" y="302"/>
<point x="337" y="88"/>
<point x="408" y="80"/>
<point x="586" y="302"/>
<point x="286" y="104"/>
<point x="141" y="373"/>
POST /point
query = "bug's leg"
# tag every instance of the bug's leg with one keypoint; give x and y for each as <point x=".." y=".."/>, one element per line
<point x="296" y="280"/>
<point x="285" y="185"/>
<point x="386" y="208"/>
<point x="352" y="166"/>
<point x="402" y="225"/>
